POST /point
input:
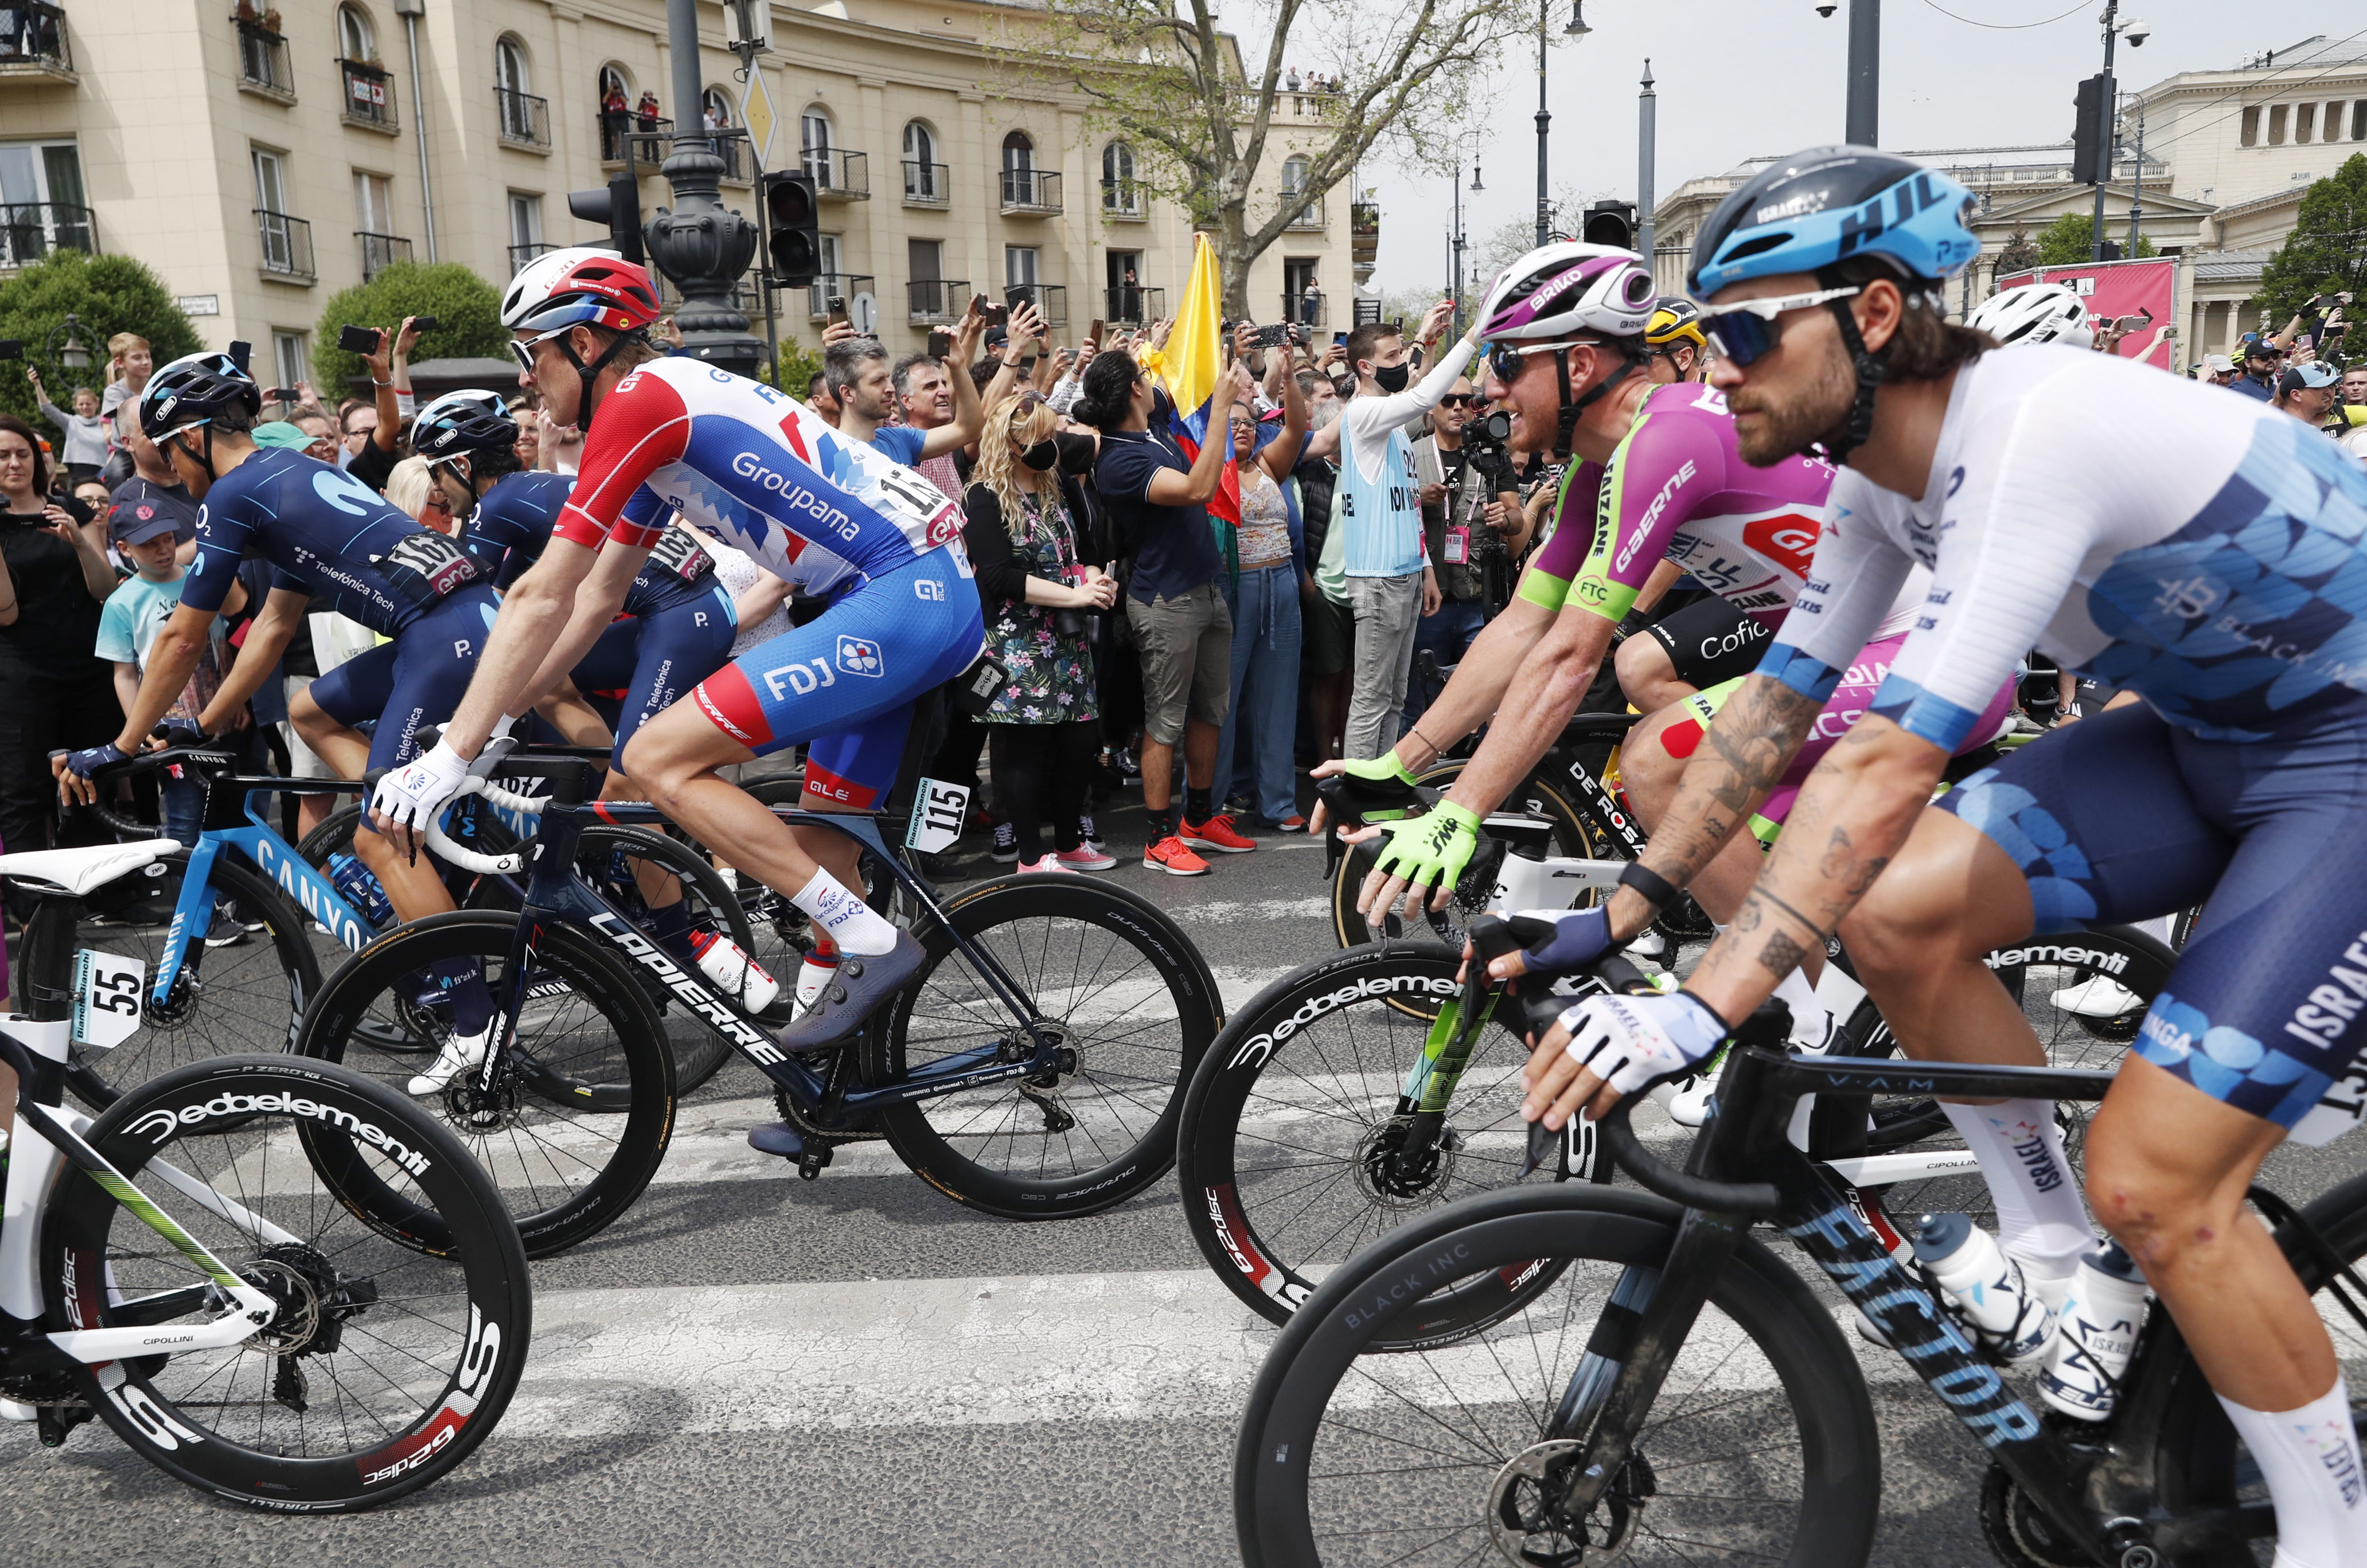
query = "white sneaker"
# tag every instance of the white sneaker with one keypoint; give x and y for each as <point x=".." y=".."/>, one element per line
<point x="1689" y="1107"/>
<point x="2101" y="997"/>
<point x="460" y="1054"/>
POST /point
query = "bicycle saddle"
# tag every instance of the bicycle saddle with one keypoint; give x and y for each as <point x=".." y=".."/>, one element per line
<point x="78" y="870"/>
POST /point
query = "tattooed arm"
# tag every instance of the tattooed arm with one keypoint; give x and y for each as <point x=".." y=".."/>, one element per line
<point x="1853" y="813"/>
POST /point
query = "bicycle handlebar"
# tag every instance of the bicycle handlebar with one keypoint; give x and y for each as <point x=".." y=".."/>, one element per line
<point x="1768" y="1026"/>
<point x="208" y="759"/>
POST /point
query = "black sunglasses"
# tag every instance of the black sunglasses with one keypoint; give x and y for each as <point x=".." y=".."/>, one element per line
<point x="1458" y="399"/>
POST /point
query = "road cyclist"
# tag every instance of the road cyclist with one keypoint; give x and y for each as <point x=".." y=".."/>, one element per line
<point x="2187" y="546"/>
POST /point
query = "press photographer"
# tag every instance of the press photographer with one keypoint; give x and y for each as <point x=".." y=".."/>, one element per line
<point x="1472" y="525"/>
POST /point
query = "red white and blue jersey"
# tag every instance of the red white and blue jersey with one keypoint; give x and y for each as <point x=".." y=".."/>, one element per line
<point x="755" y="465"/>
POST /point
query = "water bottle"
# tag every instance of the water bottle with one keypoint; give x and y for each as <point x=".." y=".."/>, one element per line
<point x="1985" y="1287"/>
<point x="354" y="882"/>
<point x="726" y="964"/>
<point x="2095" y="1335"/>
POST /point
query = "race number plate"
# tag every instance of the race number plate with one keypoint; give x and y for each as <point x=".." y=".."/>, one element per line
<point x="937" y="809"/>
<point x="106" y="998"/>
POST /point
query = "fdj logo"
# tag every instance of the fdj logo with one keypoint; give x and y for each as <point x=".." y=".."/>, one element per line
<point x="857" y="656"/>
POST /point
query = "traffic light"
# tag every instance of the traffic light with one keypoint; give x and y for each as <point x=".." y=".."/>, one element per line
<point x="1610" y="223"/>
<point x="792" y="229"/>
<point x="2091" y="135"/>
<point x="619" y="207"/>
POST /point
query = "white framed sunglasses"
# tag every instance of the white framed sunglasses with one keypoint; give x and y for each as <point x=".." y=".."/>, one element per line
<point x="1745" y="330"/>
<point x="522" y="349"/>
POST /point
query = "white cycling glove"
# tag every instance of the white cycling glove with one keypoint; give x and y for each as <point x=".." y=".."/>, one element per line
<point x="416" y="795"/>
<point x="1630" y="1041"/>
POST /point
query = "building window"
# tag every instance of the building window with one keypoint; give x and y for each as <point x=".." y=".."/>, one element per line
<point x="525" y="228"/>
<point x="2359" y="120"/>
<point x="40" y="187"/>
<point x="1019" y="265"/>
<point x="511" y="74"/>
<point x="924" y="175"/>
<point x="357" y="39"/>
<point x="827" y="253"/>
<point x="815" y="140"/>
<point x="715" y="114"/>
<point x="373" y="203"/>
<point x="288" y="358"/>
<point x="1294" y="177"/>
<point x="1120" y="191"/>
<point x="2251" y="134"/>
<point x="616" y="112"/>
<point x="526" y="120"/>
<point x="2304" y="121"/>
<point x="2277" y="124"/>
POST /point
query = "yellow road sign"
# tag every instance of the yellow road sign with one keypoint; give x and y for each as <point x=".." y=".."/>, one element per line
<point x="756" y="114"/>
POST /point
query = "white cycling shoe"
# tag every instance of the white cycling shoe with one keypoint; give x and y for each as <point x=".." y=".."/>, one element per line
<point x="2098" y="997"/>
<point x="460" y="1054"/>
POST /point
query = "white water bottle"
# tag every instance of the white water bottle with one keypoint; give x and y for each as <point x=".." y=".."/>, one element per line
<point x="1985" y="1286"/>
<point x="726" y="964"/>
<point x="2095" y="1335"/>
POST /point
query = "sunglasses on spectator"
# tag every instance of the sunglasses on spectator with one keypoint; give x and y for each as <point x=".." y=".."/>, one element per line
<point x="1458" y="399"/>
<point x="1743" y="331"/>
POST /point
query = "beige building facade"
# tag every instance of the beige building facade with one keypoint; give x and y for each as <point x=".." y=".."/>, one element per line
<point x="260" y="160"/>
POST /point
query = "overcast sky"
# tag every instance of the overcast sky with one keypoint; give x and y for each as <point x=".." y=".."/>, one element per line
<point x="1766" y="76"/>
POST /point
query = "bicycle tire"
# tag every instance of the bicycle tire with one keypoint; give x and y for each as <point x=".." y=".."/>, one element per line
<point x="584" y="1055"/>
<point x="459" y="1336"/>
<point x="1292" y="1058"/>
<point x="227" y="1000"/>
<point x="1283" y="1502"/>
<point x="1064" y="942"/>
<point x="1537" y="794"/>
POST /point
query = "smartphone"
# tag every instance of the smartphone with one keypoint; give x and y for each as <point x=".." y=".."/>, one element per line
<point x="993" y="315"/>
<point x="2131" y="323"/>
<point x="425" y="324"/>
<point x="357" y="340"/>
<point x="281" y="394"/>
<point x="1273" y="336"/>
<point x="1097" y="333"/>
<point x="941" y="343"/>
<point x="1339" y="340"/>
<point x="837" y="308"/>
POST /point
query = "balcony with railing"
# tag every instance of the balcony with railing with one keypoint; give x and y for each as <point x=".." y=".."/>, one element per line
<point x="1308" y="213"/>
<point x="1050" y="299"/>
<point x="521" y="255"/>
<point x="263" y="65"/>
<point x="1134" y="306"/>
<point x="837" y="174"/>
<point x="1306" y="307"/>
<point x="286" y="246"/>
<point x="525" y="120"/>
<point x="368" y="98"/>
<point x="1364" y="231"/>
<point x="380" y="251"/>
<point x="1123" y="200"/>
<point x="736" y="159"/>
<point x="31" y="230"/>
<point x="34" y="43"/>
<point x="840" y="286"/>
<point x="1030" y="193"/>
<point x="927" y="185"/>
<point x="617" y="130"/>
<point x="934" y="299"/>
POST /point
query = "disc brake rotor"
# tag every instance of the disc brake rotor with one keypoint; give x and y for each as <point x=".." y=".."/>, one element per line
<point x="1530" y="1532"/>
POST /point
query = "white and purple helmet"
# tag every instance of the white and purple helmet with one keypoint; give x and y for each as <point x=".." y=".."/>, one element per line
<point x="1569" y="287"/>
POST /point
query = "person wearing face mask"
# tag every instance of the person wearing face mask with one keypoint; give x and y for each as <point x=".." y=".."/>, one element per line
<point x="1039" y="578"/>
<point x="1377" y="504"/>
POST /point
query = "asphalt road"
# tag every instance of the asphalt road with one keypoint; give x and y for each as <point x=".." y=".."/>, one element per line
<point x="752" y="1368"/>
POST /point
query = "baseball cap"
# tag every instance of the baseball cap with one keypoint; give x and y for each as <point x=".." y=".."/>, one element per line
<point x="136" y="522"/>
<point x="279" y="433"/>
<point x="2254" y="344"/>
<point x="2318" y="373"/>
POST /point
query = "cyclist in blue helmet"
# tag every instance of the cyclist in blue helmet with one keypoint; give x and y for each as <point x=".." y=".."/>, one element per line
<point x="2209" y="554"/>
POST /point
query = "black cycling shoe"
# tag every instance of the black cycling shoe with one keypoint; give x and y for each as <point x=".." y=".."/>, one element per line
<point x="864" y="981"/>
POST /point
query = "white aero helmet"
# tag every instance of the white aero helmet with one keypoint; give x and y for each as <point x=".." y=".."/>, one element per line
<point x="2035" y="312"/>
<point x="1569" y="286"/>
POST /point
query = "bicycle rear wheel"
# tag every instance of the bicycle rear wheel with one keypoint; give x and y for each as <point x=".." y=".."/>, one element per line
<point x="1133" y="1007"/>
<point x="582" y="1109"/>
<point x="1290" y="1150"/>
<point x="1761" y="1447"/>
<point x="394" y="1350"/>
<point x="244" y="997"/>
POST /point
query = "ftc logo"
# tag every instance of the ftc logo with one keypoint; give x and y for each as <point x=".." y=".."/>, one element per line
<point x="858" y="656"/>
<point x="927" y="588"/>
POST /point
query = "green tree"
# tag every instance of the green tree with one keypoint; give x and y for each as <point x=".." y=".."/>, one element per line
<point x="2326" y="252"/>
<point x="107" y="294"/>
<point x="796" y="368"/>
<point x="2071" y="241"/>
<point x="467" y="308"/>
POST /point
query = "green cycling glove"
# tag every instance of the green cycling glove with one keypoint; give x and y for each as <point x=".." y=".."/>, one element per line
<point x="1380" y="769"/>
<point x="1431" y="851"/>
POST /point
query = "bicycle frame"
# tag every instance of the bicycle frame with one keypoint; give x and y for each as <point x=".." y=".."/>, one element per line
<point x="2072" y="1484"/>
<point x="555" y="896"/>
<point x="313" y="893"/>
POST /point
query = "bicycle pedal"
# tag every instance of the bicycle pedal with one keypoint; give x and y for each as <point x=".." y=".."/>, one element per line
<point x="812" y="1162"/>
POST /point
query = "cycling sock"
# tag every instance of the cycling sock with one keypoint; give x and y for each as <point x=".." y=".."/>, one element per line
<point x="2042" y="1220"/>
<point x="670" y="928"/>
<point x="1812" y="1026"/>
<point x="1197" y="806"/>
<point x="1161" y="826"/>
<point x="2310" y="1458"/>
<point x="463" y="980"/>
<point x="854" y="925"/>
<point x="820" y="967"/>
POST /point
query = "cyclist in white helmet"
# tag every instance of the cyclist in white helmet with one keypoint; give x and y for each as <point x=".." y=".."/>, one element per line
<point x="2034" y="313"/>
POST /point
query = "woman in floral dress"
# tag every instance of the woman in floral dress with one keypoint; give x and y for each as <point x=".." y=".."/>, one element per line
<point x="1040" y="595"/>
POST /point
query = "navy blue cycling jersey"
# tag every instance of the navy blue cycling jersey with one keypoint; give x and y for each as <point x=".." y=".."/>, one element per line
<point x="325" y="533"/>
<point x="511" y="525"/>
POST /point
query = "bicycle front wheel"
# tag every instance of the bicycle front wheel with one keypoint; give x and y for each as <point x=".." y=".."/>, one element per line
<point x="582" y="1107"/>
<point x="1760" y="1446"/>
<point x="393" y="1352"/>
<point x="1132" y="1006"/>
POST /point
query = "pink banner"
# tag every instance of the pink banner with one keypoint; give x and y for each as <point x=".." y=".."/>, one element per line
<point x="2146" y="289"/>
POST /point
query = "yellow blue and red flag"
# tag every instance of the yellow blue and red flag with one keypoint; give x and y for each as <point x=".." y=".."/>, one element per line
<point x="1188" y="366"/>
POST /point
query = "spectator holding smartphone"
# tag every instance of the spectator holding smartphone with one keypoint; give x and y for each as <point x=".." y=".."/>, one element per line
<point x="389" y="368"/>
<point x="84" y="452"/>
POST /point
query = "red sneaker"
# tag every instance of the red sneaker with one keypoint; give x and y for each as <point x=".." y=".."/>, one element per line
<point x="1169" y="856"/>
<point x="1216" y="833"/>
<point x="1294" y="823"/>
